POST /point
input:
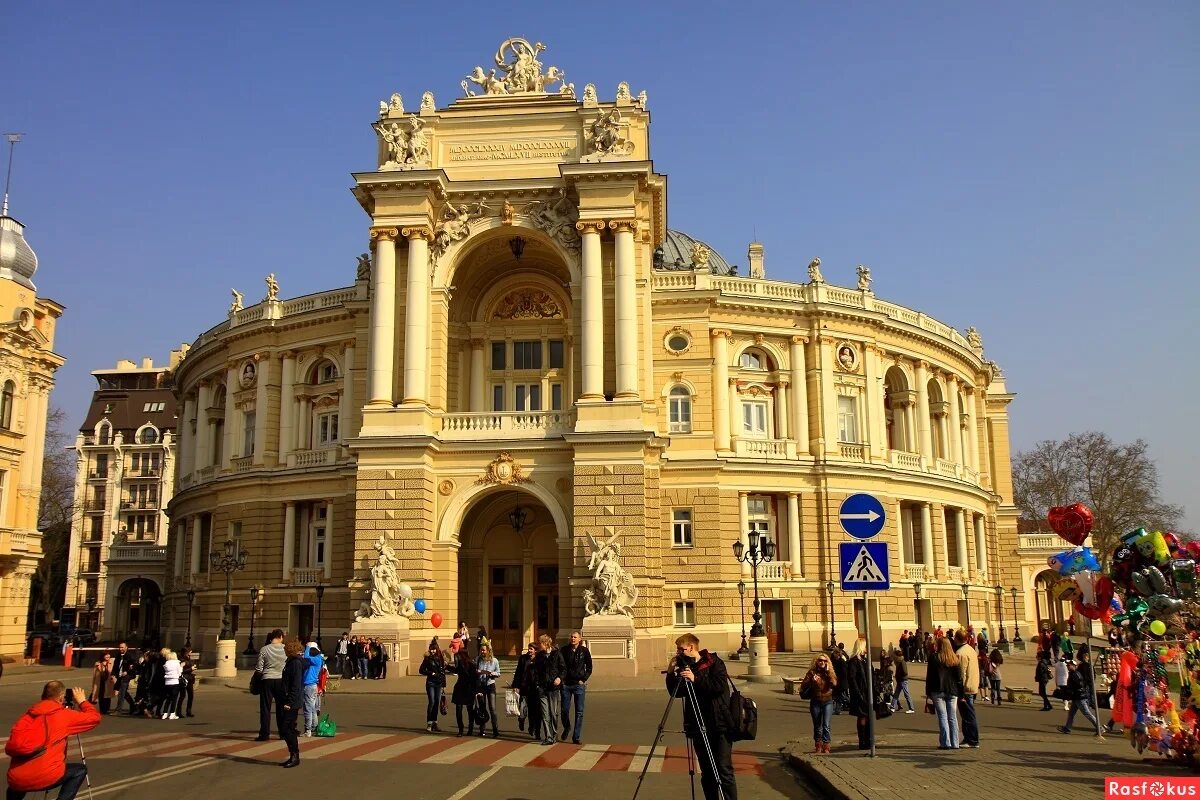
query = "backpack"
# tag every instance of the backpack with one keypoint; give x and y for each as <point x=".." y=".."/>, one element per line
<point x="743" y="713"/>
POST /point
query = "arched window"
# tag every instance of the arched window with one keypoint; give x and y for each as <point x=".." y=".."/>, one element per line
<point x="104" y="433"/>
<point x="898" y="406"/>
<point x="939" y="410"/>
<point x="324" y="372"/>
<point x="148" y="435"/>
<point x="753" y="359"/>
<point x="680" y="410"/>
<point x="6" y="405"/>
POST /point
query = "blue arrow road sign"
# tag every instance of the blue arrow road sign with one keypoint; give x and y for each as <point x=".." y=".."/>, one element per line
<point x="864" y="566"/>
<point x="862" y="516"/>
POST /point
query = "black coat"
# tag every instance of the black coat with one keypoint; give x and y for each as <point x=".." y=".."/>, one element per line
<point x="858" y="677"/>
<point x="468" y="679"/>
<point x="290" y="690"/>
<point x="434" y="670"/>
<point x="525" y="677"/>
<point x="549" y="667"/>
<point x="712" y="687"/>
<point x="941" y="679"/>
<point x="578" y="663"/>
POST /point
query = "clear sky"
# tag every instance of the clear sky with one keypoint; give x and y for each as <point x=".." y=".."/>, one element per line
<point x="1031" y="169"/>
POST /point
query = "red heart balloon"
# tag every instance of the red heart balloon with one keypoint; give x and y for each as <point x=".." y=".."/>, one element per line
<point x="1073" y="522"/>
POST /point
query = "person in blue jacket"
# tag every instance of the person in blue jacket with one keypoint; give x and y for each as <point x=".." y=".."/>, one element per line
<point x="312" y="674"/>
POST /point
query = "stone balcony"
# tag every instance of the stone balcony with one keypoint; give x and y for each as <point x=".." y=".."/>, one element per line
<point x="1041" y="543"/>
<point x="306" y="576"/>
<point x="766" y="449"/>
<point x="145" y="553"/>
<point x="914" y="572"/>
<point x="465" y="427"/>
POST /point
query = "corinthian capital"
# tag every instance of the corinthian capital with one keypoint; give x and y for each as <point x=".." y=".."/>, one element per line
<point x="592" y="226"/>
<point x="384" y="234"/>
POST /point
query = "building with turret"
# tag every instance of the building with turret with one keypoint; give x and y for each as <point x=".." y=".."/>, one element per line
<point x="540" y="408"/>
<point x="28" y="365"/>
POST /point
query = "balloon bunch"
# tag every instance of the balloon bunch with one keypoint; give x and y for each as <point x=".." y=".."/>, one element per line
<point x="419" y="605"/>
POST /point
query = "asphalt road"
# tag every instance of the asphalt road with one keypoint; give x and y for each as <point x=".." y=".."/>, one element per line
<point x="382" y="745"/>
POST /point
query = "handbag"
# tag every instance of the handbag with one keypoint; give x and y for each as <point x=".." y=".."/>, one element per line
<point x="443" y="709"/>
<point x="806" y="691"/>
<point x="326" y="727"/>
<point x="512" y="703"/>
<point x="929" y="705"/>
<point x="256" y="678"/>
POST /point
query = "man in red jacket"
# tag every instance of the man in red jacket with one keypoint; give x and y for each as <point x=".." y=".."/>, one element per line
<point x="37" y="744"/>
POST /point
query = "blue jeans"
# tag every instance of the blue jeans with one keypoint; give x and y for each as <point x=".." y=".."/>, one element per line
<point x="995" y="682"/>
<point x="310" y="708"/>
<point x="362" y="668"/>
<point x="822" y="713"/>
<point x="970" y="723"/>
<point x="946" y="708"/>
<point x="69" y="784"/>
<point x="577" y="691"/>
<point x="902" y="689"/>
<point x="433" y="696"/>
<point x="1084" y="705"/>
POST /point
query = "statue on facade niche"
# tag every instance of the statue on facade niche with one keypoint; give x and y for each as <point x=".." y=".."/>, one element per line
<point x="363" y="272"/>
<point x="272" y="288"/>
<point x="814" y="271"/>
<point x="974" y="339"/>
<point x="557" y="218"/>
<point x="864" y="278"/>
<point x="454" y="225"/>
<point x="406" y="149"/>
<point x="383" y="593"/>
<point x="604" y="137"/>
<point x="237" y="304"/>
<point x="613" y="590"/>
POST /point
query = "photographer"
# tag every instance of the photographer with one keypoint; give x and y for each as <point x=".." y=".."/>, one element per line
<point x="37" y="744"/>
<point x="710" y="681"/>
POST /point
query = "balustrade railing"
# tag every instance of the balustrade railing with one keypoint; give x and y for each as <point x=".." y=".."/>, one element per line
<point x="904" y="460"/>
<point x="138" y="552"/>
<point x="854" y="452"/>
<point x="314" y="458"/>
<point x="776" y="449"/>
<point x="307" y="576"/>
<point x="774" y="571"/>
<point x="519" y="424"/>
<point x="1040" y="541"/>
<point x="242" y="464"/>
<point x="914" y="572"/>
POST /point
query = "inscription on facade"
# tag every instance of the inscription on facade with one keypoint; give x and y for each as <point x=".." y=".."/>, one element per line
<point x="529" y="150"/>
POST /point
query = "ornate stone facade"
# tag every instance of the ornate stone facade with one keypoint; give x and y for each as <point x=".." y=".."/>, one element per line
<point x="529" y="366"/>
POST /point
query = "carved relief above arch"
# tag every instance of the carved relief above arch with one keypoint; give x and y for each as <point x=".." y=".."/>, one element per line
<point x="526" y="303"/>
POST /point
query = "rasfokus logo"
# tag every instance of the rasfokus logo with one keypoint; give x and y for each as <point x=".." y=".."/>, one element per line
<point x="1152" y="788"/>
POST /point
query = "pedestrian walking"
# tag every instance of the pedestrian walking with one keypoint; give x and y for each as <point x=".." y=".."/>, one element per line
<point x="465" y="687"/>
<point x="818" y="686"/>
<point x="549" y="667"/>
<point x="996" y="659"/>
<point x="289" y="698"/>
<point x="985" y="675"/>
<point x="271" y="660"/>
<point x="968" y="670"/>
<point x="488" y="668"/>
<point x="172" y="671"/>
<point x="943" y="687"/>
<point x="103" y="683"/>
<point x="901" y="683"/>
<point x="525" y="682"/>
<point x="187" y="681"/>
<point x="577" y="659"/>
<point x="433" y="667"/>
<point x="858" y="677"/>
<point x="1061" y="674"/>
<point x="1079" y="692"/>
<point x="124" y="668"/>
<point x="1043" y="673"/>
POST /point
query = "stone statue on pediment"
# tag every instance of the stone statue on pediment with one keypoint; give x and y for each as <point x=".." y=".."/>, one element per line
<point x="518" y="71"/>
<point x="384" y="597"/>
<point x="700" y="255"/>
<point x="363" y="271"/>
<point x="814" y="271"/>
<point x="613" y="590"/>
<point x="605" y="137"/>
<point x="272" y="288"/>
<point x="974" y="340"/>
<point x="237" y="304"/>
<point x="396" y="105"/>
<point x="427" y="105"/>
<point x="864" y="278"/>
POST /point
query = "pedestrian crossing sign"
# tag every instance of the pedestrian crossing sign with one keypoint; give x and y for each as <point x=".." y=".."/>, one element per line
<point x="864" y="566"/>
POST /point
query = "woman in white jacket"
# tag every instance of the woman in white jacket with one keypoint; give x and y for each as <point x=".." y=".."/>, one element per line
<point x="172" y="669"/>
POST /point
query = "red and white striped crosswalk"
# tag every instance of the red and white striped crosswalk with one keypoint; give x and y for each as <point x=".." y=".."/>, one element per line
<point x="408" y="748"/>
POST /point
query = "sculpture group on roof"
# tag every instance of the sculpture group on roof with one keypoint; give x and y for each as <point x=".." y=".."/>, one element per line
<point x="520" y="72"/>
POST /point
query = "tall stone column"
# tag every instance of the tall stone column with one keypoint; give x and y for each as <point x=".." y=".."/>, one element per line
<point x="923" y="412"/>
<point x="901" y="545"/>
<point x="265" y="363"/>
<point x="289" y="539"/>
<point x="955" y="432"/>
<point x="346" y="404"/>
<point x="187" y="439"/>
<point x="195" y="565"/>
<point x="781" y="411"/>
<point x="735" y="409"/>
<point x="960" y="538"/>
<point x="383" y="318"/>
<point x="625" y="308"/>
<point x="329" y="539"/>
<point x="416" y="317"/>
<point x="927" y="540"/>
<point x="799" y="405"/>
<point x="287" y="406"/>
<point x="232" y="417"/>
<point x="829" y="398"/>
<point x="744" y="527"/>
<point x="875" y="423"/>
<point x="972" y="431"/>
<point x="720" y="390"/>
<point x="793" y="514"/>
<point x="203" y="434"/>
<point x="981" y="565"/>
<point x="592" y="322"/>
<point x="477" y="389"/>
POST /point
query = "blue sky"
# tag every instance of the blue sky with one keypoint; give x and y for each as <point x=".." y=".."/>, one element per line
<point x="1030" y="169"/>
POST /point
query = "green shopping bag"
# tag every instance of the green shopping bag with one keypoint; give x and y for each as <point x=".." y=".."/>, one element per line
<point x="326" y="727"/>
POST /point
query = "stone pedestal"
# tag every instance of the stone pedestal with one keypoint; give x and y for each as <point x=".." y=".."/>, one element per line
<point x="226" y="658"/>
<point x="759" y="670"/>
<point x="393" y="633"/>
<point x="610" y="638"/>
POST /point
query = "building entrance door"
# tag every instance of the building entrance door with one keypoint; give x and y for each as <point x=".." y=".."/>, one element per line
<point x="772" y="612"/>
<point x="506" y="618"/>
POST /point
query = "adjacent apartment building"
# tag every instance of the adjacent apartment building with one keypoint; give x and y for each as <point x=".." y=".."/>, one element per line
<point x="125" y="476"/>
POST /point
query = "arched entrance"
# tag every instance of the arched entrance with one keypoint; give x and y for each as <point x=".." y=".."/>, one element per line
<point x="510" y="570"/>
<point x="139" y="610"/>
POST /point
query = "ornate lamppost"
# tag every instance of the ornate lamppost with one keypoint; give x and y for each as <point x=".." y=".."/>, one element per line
<point x="191" y="597"/>
<point x="755" y="556"/>
<point x="320" y="594"/>
<point x="966" y="588"/>
<point x="742" y="593"/>
<point x="1003" y="640"/>
<point x="829" y="586"/>
<point x="917" y="602"/>
<point x="256" y="596"/>
<point x="229" y="559"/>
<point x="1016" y="633"/>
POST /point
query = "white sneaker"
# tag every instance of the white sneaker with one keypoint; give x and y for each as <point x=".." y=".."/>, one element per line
<point x="173" y="716"/>
<point x="164" y="716"/>
<point x="910" y="711"/>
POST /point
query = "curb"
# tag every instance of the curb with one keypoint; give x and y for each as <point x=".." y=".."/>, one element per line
<point x="421" y="692"/>
<point x="822" y="781"/>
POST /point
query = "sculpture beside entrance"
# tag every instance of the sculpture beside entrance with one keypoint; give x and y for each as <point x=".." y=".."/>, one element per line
<point x="613" y="590"/>
<point x="384" y="613"/>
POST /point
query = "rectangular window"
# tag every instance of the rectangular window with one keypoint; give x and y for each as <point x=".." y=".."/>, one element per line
<point x="527" y="355"/>
<point x="205" y="541"/>
<point x="248" y="442"/>
<point x="681" y="527"/>
<point x="556" y="397"/>
<point x="758" y="511"/>
<point x="498" y="360"/>
<point x="327" y="428"/>
<point x="97" y="529"/>
<point x="847" y="419"/>
<point x="498" y="397"/>
<point x="556" y="354"/>
<point x="754" y="418"/>
<point x="101" y="470"/>
<point x="685" y="614"/>
<point x="527" y="397"/>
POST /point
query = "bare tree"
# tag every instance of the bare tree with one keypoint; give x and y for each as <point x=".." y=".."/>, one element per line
<point x="1119" y="482"/>
<point x="55" y="514"/>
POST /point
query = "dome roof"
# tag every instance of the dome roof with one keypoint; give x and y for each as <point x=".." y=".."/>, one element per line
<point x="677" y="254"/>
<point x="18" y="262"/>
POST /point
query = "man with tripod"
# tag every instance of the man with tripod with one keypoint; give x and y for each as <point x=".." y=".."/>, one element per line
<point x="708" y="679"/>
<point x="37" y="743"/>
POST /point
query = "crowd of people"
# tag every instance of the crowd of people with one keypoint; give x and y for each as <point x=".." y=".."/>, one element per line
<point x="159" y="684"/>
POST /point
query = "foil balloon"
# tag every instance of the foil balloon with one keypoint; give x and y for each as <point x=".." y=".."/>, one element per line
<point x="1064" y="589"/>
<point x="1096" y="596"/>
<point x="1153" y="549"/>
<point x="1124" y="561"/>
<point x="1183" y="570"/>
<point x="1149" y="581"/>
<point x="1160" y="605"/>
<point x="1134" y="614"/>
<point x="1192" y="548"/>
<point x="1172" y="543"/>
<point x="1077" y="559"/>
<point x="1073" y="522"/>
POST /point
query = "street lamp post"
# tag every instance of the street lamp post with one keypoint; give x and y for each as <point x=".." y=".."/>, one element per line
<point x="1016" y="633"/>
<point x="966" y="589"/>
<point x="229" y="559"/>
<point x="829" y="587"/>
<point x="256" y="595"/>
<point x="760" y="665"/>
<point x="1003" y="640"/>
<point x="191" y="596"/>
<point x="742" y="604"/>
<point x="917" y="602"/>
<point x="320" y="594"/>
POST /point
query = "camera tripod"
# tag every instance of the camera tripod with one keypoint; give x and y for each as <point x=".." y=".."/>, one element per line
<point x="690" y="697"/>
